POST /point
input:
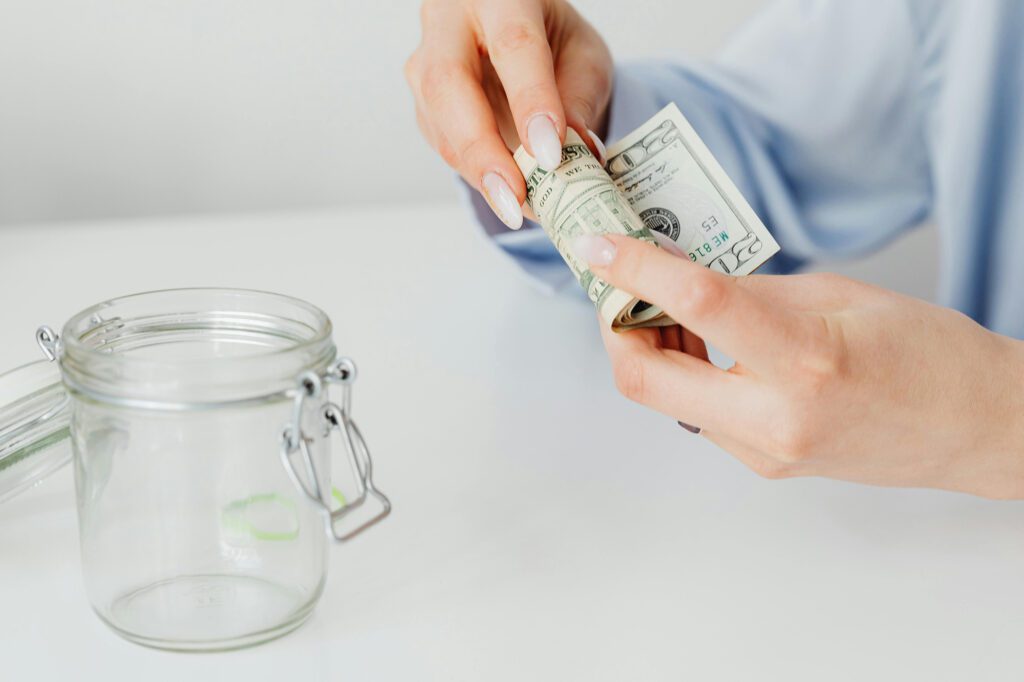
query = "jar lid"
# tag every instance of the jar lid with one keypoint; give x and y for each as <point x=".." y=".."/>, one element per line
<point x="34" y="422"/>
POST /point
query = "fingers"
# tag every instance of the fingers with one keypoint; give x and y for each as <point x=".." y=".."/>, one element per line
<point x="484" y="66"/>
<point x="694" y="392"/>
<point x="681" y="340"/>
<point x="467" y="127"/>
<point x="444" y="75"/>
<point x="672" y="337"/>
<point x="672" y="383"/>
<point x="695" y="346"/>
<point x="712" y="305"/>
<point x="584" y="76"/>
<point x="516" y="40"/>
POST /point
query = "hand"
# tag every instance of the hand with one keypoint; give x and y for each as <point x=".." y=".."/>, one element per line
<point x="489" y="73"/>
<point x="833" y="377"/>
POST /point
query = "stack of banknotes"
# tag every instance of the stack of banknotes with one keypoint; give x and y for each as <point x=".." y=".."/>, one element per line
<point x="661" y="177"/>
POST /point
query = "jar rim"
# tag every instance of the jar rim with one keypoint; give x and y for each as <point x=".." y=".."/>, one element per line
<point x="72" y="340"/>
<point x="89" y="365"/>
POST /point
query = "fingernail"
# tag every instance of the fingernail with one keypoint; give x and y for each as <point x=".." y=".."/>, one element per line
<point x="602" y="154"/>
<point x="503" y="202"/>
<point x="691" y="429"/>
<point x="593" y="250"/>
<point x="544" y="142"/>
<point x="665" y="242"/>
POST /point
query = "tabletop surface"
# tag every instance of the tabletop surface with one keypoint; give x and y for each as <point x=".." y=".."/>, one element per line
<point x="544" y="527"/>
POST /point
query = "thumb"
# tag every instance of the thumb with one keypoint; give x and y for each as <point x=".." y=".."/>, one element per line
<point x="712" y="305"/>
<point x="583" y="71"/>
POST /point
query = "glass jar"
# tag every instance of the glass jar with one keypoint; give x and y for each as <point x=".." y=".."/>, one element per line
<point x="200" y="428"/>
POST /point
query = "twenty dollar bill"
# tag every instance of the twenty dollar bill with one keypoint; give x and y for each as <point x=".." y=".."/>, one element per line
<point x="660" y="177"/>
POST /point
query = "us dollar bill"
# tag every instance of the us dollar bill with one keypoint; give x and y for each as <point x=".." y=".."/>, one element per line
<point x="661" y="177"/>
<point x="578" y="198"/>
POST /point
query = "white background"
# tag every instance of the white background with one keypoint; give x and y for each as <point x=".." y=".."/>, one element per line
<point x="113" y="109"/>
<point x="122" y="108"/>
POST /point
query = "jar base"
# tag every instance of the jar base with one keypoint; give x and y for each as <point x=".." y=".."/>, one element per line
<point x="208" y="612"/>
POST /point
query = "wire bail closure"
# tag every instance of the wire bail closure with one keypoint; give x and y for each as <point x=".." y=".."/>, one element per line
<point x="294" y="442"/>
<point x="310" y="386"/>
<point x="49" y="342"/>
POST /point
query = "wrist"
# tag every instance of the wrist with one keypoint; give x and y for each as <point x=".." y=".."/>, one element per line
<point x="1016" y="381"/>
<point x="1005" y="421"/>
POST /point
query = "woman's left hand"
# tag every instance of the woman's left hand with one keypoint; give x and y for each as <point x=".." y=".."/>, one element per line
<point x="833" y="377"/>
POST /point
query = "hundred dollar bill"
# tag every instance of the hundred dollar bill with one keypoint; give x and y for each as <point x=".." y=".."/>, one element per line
<point x="660" y="177"/>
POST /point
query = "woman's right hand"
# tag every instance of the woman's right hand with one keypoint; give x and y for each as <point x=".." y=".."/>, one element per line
<point x="489" y="73"/>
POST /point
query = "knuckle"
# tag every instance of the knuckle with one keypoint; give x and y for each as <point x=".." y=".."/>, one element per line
<point x="436" y="79"/>
<point x="447" y="153"/>
<point x="515" y="37"/>
<point x="794" y="441"/>
<point x="411" y="68"/>
<point x="822" y="362"/>
<point x="600" y="78"/>
<point x="530" y="97"/>
<point x="467" y="150"/>
<point x="771" y="469"/>
<point x="580" y="107"/>
<point x="703" y="294"/>
<point x="819" y="370"/>
<point x="630" y="379"/>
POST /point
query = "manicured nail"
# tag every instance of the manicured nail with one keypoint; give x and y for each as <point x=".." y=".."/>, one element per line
<point x="665" y="242"/>
<point x="691" y="429"/>
<point x="503" y="202"/>
<point x="602" y="154"/>
<point x="544" y="142"/>
<point x="593" y="250"/>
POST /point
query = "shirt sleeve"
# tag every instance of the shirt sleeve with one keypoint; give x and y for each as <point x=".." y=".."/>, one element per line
<point x="814" y="109"/>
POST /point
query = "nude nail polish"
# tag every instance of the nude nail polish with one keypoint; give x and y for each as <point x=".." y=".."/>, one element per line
<point x="602" y="153"/>
<point x="502" y="200"/>
<point x="544" y="143"/>
<point x="593" y="250"/>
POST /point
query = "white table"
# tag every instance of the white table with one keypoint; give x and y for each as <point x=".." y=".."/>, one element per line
<point x="544" y="527"/>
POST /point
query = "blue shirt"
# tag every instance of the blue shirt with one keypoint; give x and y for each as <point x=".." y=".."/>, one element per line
<point x="845" y="124"/>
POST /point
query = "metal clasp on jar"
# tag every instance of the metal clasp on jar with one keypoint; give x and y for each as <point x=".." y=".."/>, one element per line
<point x="295" y="445"/>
